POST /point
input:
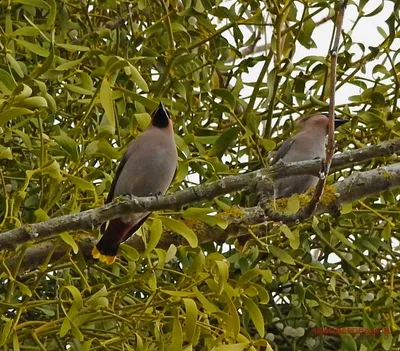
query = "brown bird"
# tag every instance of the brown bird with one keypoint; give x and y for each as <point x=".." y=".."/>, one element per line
<point x="147" y="168"/>
<point x="307" y="144"/>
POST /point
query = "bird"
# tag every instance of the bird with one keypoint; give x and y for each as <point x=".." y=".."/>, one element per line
<point x="307" y="144"/>
<point x="146" y="169"/>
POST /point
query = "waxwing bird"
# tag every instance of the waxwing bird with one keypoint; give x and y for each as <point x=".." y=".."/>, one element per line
<point x="147" y="168"/>
<point x="307" y="144"/>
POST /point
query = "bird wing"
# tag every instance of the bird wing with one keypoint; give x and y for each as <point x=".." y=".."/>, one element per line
<point x="136" y="227"/>
<point x="282" y="151"/>
<point x="120" y="167"/>
<point x="110" y="195"/>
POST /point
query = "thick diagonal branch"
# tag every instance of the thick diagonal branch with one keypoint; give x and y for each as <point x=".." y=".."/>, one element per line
<point x="91" y="219"/>
<point x="357" y="186"/>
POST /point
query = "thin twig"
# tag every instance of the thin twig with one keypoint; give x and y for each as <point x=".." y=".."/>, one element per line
<point x="307" y="210"/>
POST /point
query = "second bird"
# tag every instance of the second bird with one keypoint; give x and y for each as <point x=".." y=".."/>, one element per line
<point x="147" y="168"/>
<point x="307" y="144"/>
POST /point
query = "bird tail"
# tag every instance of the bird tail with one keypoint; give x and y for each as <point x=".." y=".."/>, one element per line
<point x="107" y="248"/>
<point x="103" y="258"/>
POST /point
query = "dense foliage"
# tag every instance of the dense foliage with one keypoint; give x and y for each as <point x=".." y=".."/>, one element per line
<point x="78" y="80"/>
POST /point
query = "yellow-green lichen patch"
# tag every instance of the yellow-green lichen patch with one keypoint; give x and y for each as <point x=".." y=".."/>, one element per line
<point x="195" y="225"/>
<point x="233" y="213"/>
<point x="387" y="175"/>
<point x="281" y="204"/>
<point x="329" y="195"/>
<point x="28" y="228"/>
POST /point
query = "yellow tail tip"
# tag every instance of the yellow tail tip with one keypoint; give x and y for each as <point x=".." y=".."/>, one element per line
<point x="103" y="258"/>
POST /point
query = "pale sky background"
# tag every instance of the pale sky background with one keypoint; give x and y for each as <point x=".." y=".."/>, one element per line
<point x="366" y="32"/>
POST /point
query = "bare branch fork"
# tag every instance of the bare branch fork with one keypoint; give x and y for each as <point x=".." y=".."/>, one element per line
<point x="91" y="219"/>
<point x="307" y="210"/>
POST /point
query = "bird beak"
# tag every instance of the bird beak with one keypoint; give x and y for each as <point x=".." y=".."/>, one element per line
<point x="340" y="121"/>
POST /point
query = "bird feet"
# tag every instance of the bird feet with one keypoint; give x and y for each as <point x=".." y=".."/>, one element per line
<point x="156" y="195"/>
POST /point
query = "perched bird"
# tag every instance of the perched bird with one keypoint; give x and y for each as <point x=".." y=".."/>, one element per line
<point x="147" y="168"/>
<point x="307" y="144"/>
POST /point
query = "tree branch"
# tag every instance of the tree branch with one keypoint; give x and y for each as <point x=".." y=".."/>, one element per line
<point x="357" y="186"/>
<point x="90" y="219"/>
